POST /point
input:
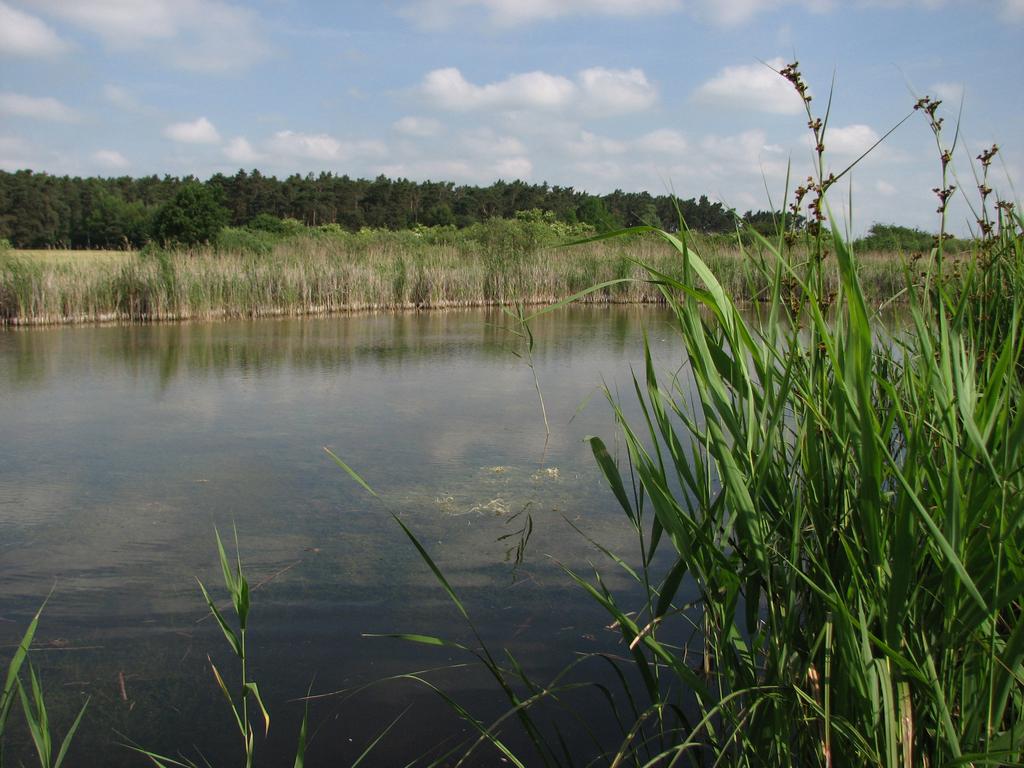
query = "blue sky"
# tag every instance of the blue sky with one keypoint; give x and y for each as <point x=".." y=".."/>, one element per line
<point x="595" y="94"/>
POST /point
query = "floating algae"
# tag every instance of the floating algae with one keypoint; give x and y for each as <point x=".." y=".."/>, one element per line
<point x="497" y="506"/>
<point x="497" y="490"/>
<point x="549" y="473"/>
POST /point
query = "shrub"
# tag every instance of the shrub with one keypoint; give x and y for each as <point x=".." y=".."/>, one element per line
<point x="891" y="237"/>
<point x="256" y="242"/>
<point x="191" y="217"/>
<point x="265" y="222"/>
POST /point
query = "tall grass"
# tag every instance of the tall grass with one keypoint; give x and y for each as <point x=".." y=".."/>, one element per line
<point x="829" y="516"/>
<point x="849" y="506"/>
<point x="850" y="510"/>
<point x="33" y="705"/>
<point x="12" y="679"/>
<point x="243" y="697"/>
<point x="238" y="696"/>
<point x="841" y="510"/>
<point x="501" y="263"/>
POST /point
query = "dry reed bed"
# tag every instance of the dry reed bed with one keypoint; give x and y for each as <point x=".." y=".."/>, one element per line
<point x="308" y="276"/>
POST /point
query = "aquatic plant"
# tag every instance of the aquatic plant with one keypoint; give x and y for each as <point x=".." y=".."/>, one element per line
<point x="38" y="720"/>
<point x="237" y="695"/>
<point x="843" y="510"/>
<point x="11" y="679"/>
<point x="36" y="714"/>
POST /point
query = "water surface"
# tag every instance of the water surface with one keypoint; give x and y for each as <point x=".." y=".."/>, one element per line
<point x="125" y="446"/>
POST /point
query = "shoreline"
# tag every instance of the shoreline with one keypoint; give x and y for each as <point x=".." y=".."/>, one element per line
<point x="308" y="277"/>
<point x="361" y="309"/>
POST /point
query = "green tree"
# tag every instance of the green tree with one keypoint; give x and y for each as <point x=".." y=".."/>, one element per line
<point x="114" y="223"/>
<point x="594" y="212"/>
<point x="194" y="215"/>
<point x="439" y="215"/>
<point x="892" y="237"/>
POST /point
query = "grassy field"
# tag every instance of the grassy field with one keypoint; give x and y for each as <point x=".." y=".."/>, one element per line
<point x="504" y="263"/>
<point x="67" y="258"/>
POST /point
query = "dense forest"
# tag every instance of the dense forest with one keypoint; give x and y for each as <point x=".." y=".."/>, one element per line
<point x="38" y="210"/>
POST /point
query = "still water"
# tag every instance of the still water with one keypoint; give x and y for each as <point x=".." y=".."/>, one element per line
<point x="123" y="447"/>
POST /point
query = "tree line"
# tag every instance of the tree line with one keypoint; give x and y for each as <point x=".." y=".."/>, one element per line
<point x="39" y="210"/>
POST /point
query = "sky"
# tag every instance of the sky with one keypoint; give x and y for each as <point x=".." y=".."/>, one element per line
<point x="658" y="95"/>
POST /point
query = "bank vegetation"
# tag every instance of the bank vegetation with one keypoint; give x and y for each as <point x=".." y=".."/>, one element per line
<point x="299" y="270"/>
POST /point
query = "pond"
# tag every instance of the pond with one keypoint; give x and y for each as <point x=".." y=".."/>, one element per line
<point x="125" y="446"/>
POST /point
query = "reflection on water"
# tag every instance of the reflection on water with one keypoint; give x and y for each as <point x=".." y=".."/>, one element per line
<point x="124" y="446"/>
<point x="164" y="353"/>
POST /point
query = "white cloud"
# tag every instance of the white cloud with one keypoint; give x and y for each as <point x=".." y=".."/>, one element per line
<point x="309" y="146"/>
<point x="597" y="91"/>
<point x="1010" y="10"/>
<point x="951" y="93"/>
<point x="199" y="131"/>
<point x="239" y="150"/>
<point x="735" y="12"/>
<point x="121" y="98"/>
<point x="459" y="170"/>
<point x="484" y="142"/>
<point x="18" y="153"/>
<point x="474" y="155"/>
<point x="321" y="147"/>
<point x="448" y="89"/>
<point x="664" y="141"/>
<point x="884" y="188"/>
<point x="514" y="168"/>
<point x="436" y="13"/>
<point x="850" y="141"/>
<point x="1013" y="10"/>
<point x="611" y="91"/>
<point x="746" y="152"/>
<point x="607" y="173"/>
<point x="753" y="87"/>
<point x="24" y="35"/>
<point x="36" y="107"/>
<point x="454" y="170"/>
<point x="119" y="21"/>
<point x="417" y="126"/>
<point x="589" y="145"/>
<point x="110" y="158"/>
<point x="930" y="4"/>
<point x="743" y="146"/>
<point x="507" y="13"/>
<point x="732" y="12"/>
<point x="198" y="35"/>
<point x="14" y="152"/>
